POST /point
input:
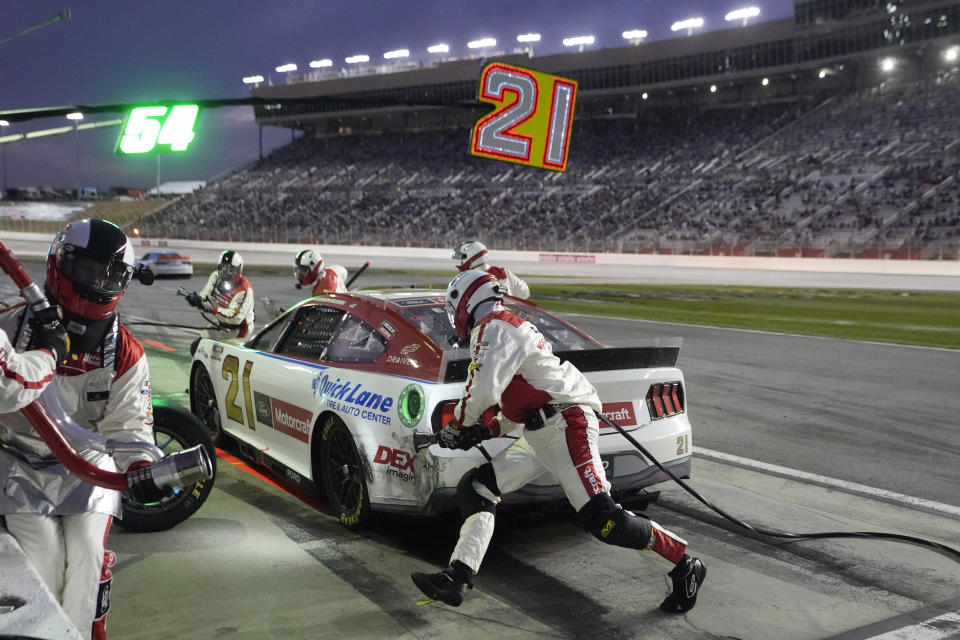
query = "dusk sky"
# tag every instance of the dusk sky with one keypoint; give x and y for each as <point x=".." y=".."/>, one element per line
<point x="135" y="50"/>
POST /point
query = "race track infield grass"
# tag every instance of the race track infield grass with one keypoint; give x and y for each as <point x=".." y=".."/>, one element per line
<point x="903" y="317"/>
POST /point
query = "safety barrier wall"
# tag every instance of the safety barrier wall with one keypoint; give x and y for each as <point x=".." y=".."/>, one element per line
<point x="613" y="265"/>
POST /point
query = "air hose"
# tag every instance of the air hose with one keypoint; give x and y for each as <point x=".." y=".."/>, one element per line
<point x="877" y="535"/>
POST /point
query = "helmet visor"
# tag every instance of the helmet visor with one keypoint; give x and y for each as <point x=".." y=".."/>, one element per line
<point x="92" y="274"/>
<point x="228" y="271"/>
<point x="301" y="272"/>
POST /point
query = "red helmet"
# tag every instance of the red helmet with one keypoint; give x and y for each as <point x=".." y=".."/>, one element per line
<point x="89" y="266"/>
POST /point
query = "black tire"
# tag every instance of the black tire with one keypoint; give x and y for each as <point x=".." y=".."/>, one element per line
<point x="203" y="404"/>
<point x="343" y="475"/>
<point x="173" y="430"/>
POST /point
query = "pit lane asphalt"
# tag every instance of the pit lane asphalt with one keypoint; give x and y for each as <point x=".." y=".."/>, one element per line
<point x="258" y="563"/>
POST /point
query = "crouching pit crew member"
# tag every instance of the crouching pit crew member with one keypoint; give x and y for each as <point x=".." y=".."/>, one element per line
<point x="513" y="365"/>
<point x="59" y="521"/>
<point x="308" y="269"/>
<point x="228" y="296"/>
<point x="473" y="255"/>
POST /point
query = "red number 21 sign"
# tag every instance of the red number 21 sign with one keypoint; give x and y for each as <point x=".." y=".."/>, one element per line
<point x="531" y="124"/>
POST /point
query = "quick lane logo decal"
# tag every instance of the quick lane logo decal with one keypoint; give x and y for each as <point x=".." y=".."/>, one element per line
<point x="399" y="463"/>
<point x="620" y="412"/>
<point x="352" y="399"/>
<point x="283" y="416"/>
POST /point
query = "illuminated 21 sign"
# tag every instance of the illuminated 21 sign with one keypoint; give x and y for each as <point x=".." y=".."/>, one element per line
<point x="532" y="124"/>
<point x="158" y="130"/>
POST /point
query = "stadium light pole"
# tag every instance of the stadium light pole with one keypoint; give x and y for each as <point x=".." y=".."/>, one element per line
<point x="528" y="39"/>
<point x="438" y="48"/>
<point x="635" y="36"/>
<point x="76" y="116"/>
<point x="482" y="43"/>
<point x="687" y="25"/>
<point x="579" y="41"/>
<point x="743" y="14"/>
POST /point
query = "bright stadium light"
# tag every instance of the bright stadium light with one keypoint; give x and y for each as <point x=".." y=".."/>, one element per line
<point x="4" y="123"/>
<point x="742" y="14"/>
<point x="579" y="41"/>
<point x="888" y="64"/>
<point x="765" y="81"/>
<point x="644" y="95"/>
<point x="528" y="37"/>
<point x="320" y="64"/>
<point x="397" y="53"/>
<point x="687" y="25"/>
<point x="634" y="35"/>
<point x="713" y="88"/>
<point x="284" y="68"/>
<point x="952" y="54"/>
<point x="360" y="57"/>
<point x="76" y="115"/>
<point x="438" y="48"/>
<point x="252" y="79"/>
<point x="482" y="43"/>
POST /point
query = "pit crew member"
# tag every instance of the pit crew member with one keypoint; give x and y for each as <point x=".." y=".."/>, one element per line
<point x="228" y="296"/>
<point x="59" y="521"/>
<point x="513" y="365"/>
<point x="308" y="269"/>
<point x="472" y="254"/>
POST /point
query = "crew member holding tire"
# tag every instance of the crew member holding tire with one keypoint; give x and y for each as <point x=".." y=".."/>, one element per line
<point x="513" y="365"/>
<point x="228" y="296"/>
<point x="308" y="269"/>
<point x="61" y="522"/>
<point x="472" y="254"/>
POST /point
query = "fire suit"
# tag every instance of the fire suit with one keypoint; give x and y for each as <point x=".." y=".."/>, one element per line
<point x="513" y="365"/>
<point x="231" y="301"/>
<point x="331" y="280"/>
<point x="514" y="286"/>
<point x="61" y="522"/>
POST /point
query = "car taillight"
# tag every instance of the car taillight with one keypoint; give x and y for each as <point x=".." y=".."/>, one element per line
<point x="442" y="414"/>
<point x="665" y="400"/>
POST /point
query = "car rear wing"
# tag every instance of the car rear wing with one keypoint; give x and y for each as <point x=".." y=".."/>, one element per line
<point x="662" y="353"/>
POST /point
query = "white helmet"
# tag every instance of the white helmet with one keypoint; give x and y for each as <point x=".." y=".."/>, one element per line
<point x="230" y="265"/>
<point x="466" y="292"/>
<point x="307" y="266"/>
<point x="472" y="254"/>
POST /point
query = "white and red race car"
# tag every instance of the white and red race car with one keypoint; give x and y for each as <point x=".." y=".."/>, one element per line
<point x="330" y="394"/>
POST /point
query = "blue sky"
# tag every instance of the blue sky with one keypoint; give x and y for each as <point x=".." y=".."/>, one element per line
<point x="134" y="50"/>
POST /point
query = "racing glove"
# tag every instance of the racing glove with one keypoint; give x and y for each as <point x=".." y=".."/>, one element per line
<point x="193" y="299"/>
<point x="48" y="332"/>
<point x="453" y="438"/>
<point x="141" y="486"/>
<point x="206" y="306"/>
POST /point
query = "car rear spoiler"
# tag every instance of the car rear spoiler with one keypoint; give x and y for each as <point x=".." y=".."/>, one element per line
<point x="608" y="359"/>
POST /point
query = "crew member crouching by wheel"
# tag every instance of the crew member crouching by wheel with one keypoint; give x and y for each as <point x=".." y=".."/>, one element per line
<point x="103" y="382"/>
<point x="513" y="365"/>
<point x="228" y="296"/>
<point x="308" y="269"/>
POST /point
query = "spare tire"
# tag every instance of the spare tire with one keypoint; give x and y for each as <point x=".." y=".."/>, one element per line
<point x="173" y="430"/>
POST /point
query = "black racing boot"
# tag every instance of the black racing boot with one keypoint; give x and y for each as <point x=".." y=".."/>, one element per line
<point x="687" y="577"/>
<point x="448" y="586"/>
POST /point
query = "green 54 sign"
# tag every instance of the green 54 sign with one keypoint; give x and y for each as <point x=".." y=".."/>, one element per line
<point x="158" y="130"/>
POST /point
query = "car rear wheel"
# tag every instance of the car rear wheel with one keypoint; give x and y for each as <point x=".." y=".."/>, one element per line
<point x="173" y="430"/>
<point x="203" y="404"/>
<point x="343" y="475"/>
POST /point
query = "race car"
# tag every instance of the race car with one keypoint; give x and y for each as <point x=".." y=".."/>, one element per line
<point x="331" y="393"/>
<point x="167" y="264"/>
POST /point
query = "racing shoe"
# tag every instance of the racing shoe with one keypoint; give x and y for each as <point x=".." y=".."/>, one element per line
<point x="688" y="577"/>
<point x="445" y="586"/>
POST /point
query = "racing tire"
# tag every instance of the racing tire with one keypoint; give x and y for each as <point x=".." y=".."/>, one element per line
<point x="173" y="430"/>
<point x="203" y="404"/>
<point x="343" y="475"/>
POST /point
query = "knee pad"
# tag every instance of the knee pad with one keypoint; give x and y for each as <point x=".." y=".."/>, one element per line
<point x="469" y="500"/>
<point x="609" y="523"/>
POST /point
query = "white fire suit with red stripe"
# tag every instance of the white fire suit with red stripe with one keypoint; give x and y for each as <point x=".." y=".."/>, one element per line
<point x="514" y="286"/>
<point x="232" y="302"/>
<point x="513" y="365"/>
<point x="60" y="521"/>
<point x="331" y="280"/>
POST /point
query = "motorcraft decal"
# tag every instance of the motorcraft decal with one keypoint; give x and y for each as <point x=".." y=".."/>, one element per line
<point x="620" y="412"/>
<point x="286" y="418"/>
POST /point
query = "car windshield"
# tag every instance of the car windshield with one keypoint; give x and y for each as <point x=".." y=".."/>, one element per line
<point x="431" y="318"/>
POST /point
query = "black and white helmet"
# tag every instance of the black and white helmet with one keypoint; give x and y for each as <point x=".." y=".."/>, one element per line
<point x="471" y="254"/>
<point x="307" y="266"/>
<point x="230" y="265"/>
<point x="465" y="293"/>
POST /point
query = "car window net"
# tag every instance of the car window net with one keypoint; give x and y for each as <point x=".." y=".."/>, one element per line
<point x="311" y="332"/>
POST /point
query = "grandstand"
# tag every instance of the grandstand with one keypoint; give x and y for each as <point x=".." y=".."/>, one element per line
<point x="834" y="134"/>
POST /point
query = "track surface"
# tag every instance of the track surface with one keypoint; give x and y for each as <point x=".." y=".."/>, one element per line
<point x="256" y="562"/>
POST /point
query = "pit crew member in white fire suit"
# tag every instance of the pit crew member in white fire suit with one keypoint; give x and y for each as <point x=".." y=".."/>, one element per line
<point x="472" y="254"/>
<point x="61" y="522"/>
<point x="228" y="296"/>
<point x="308" y="269"/>
<point x="513" y="365"/>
